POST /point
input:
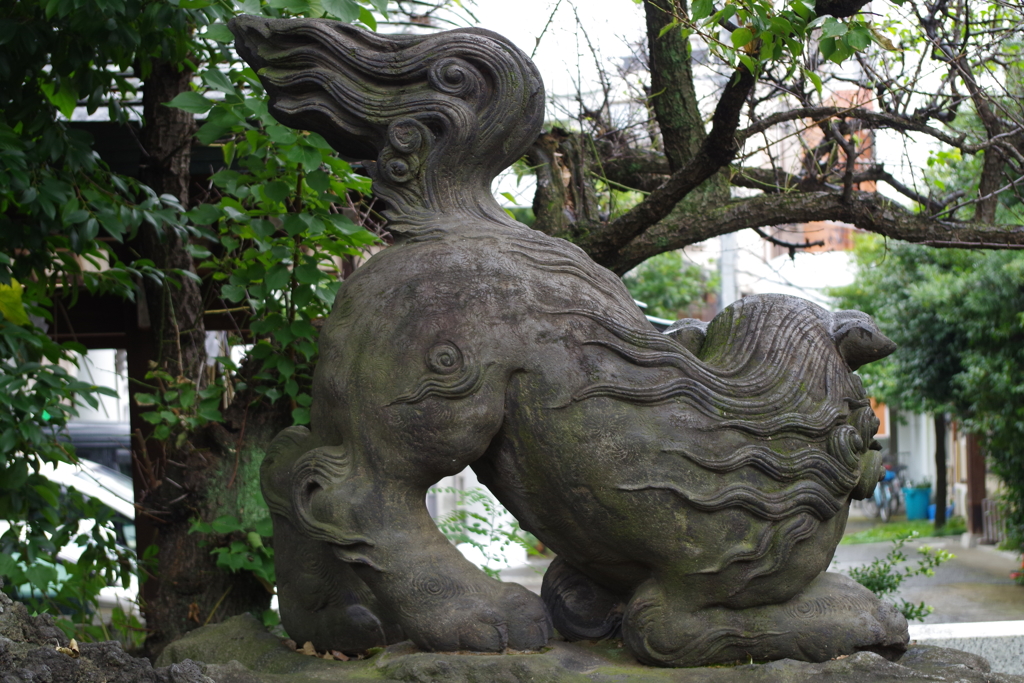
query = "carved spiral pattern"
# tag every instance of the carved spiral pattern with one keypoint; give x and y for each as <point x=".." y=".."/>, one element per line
<point x="444" y="358"/>
<point x="456" y="77"/>
<point x="406" y="135"/>
<point x="437" y="586"/>
<point x="846" y="444"/>
<point x="825" y="606"/>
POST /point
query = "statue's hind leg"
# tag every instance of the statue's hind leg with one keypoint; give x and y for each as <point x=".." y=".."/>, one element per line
<point x="581" y="609"/>
<point x="833" y="616"/>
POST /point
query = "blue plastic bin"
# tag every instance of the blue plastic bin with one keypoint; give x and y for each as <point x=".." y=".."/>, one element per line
<point x="917" y="502"/>
<point x="931" y="512"/>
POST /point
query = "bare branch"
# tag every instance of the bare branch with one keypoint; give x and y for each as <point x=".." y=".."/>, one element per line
<point x="716" y="152"/>
<point x="874" y="118"/>
<point x="866" y="210"/>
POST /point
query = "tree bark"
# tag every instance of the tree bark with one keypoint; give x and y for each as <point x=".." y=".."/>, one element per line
<point x="940" y="470"/>
<point x="198" y="477"/>
<point x="672" y="94"/>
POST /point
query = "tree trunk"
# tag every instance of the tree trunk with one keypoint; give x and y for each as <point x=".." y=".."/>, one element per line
<point x="894" y="435"/>
<point x="200" y="476"/>
<point x="940" y="470"/>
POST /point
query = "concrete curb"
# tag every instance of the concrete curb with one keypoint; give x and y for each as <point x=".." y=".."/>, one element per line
<point x="1000" y="642"/>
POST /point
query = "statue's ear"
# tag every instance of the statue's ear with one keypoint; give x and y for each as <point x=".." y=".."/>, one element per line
<point x="322" y="495"/>
<point x="276" y="471"/>
<point x="858" y="339"/>
<point x="689" y="332"/>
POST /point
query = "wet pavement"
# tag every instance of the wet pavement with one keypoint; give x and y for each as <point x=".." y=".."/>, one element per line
<point x="974" y="586"/>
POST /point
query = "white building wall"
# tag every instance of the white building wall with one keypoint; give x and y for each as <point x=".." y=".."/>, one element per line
<point x="917" y="447"/>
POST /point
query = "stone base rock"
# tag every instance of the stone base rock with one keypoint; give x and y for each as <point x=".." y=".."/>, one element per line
<point x="240" y="650"/>
<point x="28" y="654"/>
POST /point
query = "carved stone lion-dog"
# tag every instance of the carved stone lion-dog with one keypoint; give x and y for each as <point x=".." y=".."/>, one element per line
<point x="694" y="484"/>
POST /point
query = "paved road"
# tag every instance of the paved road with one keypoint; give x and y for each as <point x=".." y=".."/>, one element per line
<point x="974" y="586"/>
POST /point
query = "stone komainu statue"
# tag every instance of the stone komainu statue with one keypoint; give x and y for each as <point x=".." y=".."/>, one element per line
<point x="693" y="484"/>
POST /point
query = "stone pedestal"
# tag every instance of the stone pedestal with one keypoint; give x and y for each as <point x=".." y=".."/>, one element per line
<point x="240" y="650"/>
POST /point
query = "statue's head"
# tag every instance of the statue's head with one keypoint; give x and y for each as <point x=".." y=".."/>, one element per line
<point x="436" y="116"/>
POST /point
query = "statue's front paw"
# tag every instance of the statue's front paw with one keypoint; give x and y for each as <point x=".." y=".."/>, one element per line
<point x="529" y="626"/>
<point x="507" y="616"/>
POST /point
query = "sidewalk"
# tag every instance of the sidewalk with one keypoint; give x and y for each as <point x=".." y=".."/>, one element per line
<point x="974" y="586"/>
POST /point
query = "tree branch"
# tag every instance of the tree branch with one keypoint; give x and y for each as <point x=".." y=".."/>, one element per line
<point x="866" y="210"/>
<point x="875" y="118"/>
<point x="716" y="152"/>
<point x="674" y="98"/>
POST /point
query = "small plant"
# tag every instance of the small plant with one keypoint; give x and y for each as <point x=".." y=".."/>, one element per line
<point x="923" y="484"/>
<point x="884" y="576"/>
<point x="489" y="531"/>
<point x="242" y="555"/>
<point x="249" y="554"/>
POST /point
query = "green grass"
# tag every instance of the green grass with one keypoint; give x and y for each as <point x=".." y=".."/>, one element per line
<point x="893" y="530"/>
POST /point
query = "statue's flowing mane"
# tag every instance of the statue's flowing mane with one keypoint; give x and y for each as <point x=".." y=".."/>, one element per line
<point x="431" y="113"/>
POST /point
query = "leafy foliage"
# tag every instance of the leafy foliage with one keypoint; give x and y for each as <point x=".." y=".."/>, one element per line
<point x="668" y="286"/>
<point x="760" y="32"/>
<point x="489" y="531"/>
<point x="270" y="232"/>
<point x="884" y="576"/>
<point x="958" y="318"/>
<point x="245" y="549"/>
<point x="893" y="530"/>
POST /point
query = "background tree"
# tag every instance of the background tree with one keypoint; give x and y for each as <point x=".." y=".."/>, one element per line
<point x="802" y="96"/>
<point x="669" y="287"/>
<point x="956" y="316"/>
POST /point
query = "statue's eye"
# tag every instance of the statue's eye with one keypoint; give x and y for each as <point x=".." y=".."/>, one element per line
<point x="444" y="358"/>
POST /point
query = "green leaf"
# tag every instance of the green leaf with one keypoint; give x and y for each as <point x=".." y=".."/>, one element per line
<point x="667" y="27"/>
<point x="10" y="303"/>
<point x="277" y="190"/>
<point x="219" y="32"/>
<point x="345" y="10"/>
<point x="833" y="28"/>
<point x="815" y="79"/>
<point x="216" y="79"/>
<point x="859" y="37"/>
<point x="293" y="6"/>
<point x="700" y="9"/>
<point x="366" y="17"/>
<point x="41" y="575"/>
<point x="303" y="328"/>
<point x="319" y="181"/>
<point x="278" y="276"/>
<point x="308" y="274"/>
<point x="381" y="6"/>
<point x="205" y="214"/>
<point x="64" y="99"/>
<point x="741" y="37"/>
<point x="282" y="135"/>
<point x="225" y="524"/>
<point x="310" y="158"/>
<point x="192" y="102"/>
<point x="293" y="224"/>
<point x="827" y="47"/>
<point x="9" y="566"/>
<point x="47" y="493"/>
